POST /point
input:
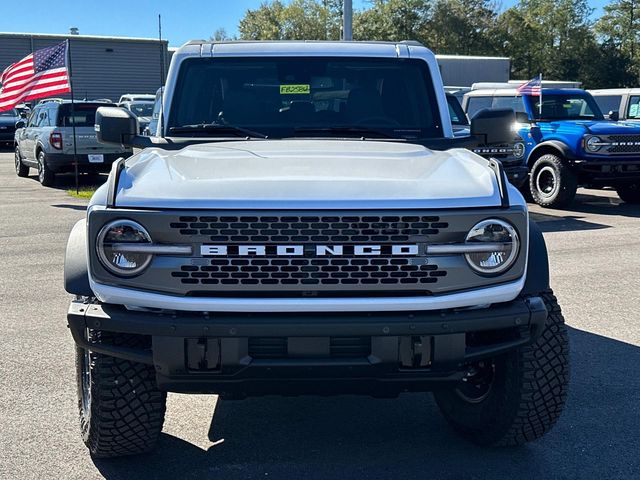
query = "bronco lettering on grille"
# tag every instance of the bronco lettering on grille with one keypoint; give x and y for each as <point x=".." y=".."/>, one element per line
<point x="308" y="250"/>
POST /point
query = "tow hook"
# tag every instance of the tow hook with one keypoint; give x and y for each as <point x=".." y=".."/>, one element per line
<point x="415" y="351"/>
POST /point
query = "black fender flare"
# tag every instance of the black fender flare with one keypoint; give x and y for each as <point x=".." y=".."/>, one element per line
<point x="76" y="273"/>
<point x="537" y="279"/>
<point x="550" y="144"/>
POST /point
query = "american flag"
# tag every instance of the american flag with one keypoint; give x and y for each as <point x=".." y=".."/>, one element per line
<point x="42" y="74"/>
<point x="533" y="87"/>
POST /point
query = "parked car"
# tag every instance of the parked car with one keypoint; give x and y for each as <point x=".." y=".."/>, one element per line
<point x="137" y="97"/>
<point x="45" y="141"/>
<point x="308" y="223"/>
<point x="50" y="99"/>
<point x="510" y="154"/>
<point x="152" y="127"/>
<point x="8" y="120"/>
<point x="24" y="110"/>
<point x="142" y="112"/>
<point x="569" y="143"/>
<point x="618" y="103"/>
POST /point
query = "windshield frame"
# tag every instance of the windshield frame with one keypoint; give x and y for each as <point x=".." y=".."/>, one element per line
<point x="284" y="131"/>
<point x="593" y="105"/>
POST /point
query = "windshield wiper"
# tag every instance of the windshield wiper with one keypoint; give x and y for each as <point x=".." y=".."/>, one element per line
<point x="358" y="131"/>
<point x="217" y="128"/>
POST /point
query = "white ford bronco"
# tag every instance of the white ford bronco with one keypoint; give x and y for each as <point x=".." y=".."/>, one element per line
<point x="305" y="222"/>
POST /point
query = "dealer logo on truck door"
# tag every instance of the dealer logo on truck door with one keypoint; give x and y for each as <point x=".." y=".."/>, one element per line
<point x="309" y="250"/>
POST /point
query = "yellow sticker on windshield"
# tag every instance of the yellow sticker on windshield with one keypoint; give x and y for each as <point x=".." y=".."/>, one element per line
<point x="295" y="89"/>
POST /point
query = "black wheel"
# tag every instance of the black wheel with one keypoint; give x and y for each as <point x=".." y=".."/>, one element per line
<point x="517" y="397"/>
<point x="629" y="193"/>
<point x="552" y="183"/>
<point x="21" y="169"/>
<point x="121" y="408"/>
<point x="46" y="177"/>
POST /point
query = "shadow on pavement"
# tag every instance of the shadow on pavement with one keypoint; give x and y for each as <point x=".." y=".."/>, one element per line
<point x="80" y="208"/>
<point x="558" y="223"/>
<point x="352" y="437"/>
<point x="587" y="204"/>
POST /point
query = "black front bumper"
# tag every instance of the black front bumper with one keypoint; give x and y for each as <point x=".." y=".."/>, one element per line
<point x="379" y="354"/>
<point x="608" y="172"/>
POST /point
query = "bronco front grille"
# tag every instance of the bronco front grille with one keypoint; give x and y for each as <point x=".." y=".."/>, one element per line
<point x="623" y="143"/>
<point x="297" y="271"/>
<point x="335" y="253"/>
<point x="301" y="229"/>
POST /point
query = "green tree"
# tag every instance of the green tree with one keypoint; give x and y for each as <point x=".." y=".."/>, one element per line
<point x="619" y="28"/>
<point x="463" y="27"/>
<point x="393" y="20"/>
<point x="220" y="35"/>
<point x="554" y="37"/>
<point x="297" y="20"/>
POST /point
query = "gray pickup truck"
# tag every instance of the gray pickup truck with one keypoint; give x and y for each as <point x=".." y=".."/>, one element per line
<point x="45" y="141"/>
<point x="306" y="223"/>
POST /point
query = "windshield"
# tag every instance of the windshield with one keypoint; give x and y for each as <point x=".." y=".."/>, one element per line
<point x="9" y="113"/>
<point x="568" y="106"/>
<point x="284" y="97"/>
<point x="82" y="114"/>
<point x="141" y="109"/>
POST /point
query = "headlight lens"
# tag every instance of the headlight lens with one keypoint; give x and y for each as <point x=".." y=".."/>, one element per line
<point x="502" y="252"/>
<point x="593" y="144"/>
<point x="115" y="234"/>
<point x="518" y="150"/>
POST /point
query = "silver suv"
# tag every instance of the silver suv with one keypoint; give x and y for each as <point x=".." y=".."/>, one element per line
<point x="306" y="222"/>
<point x="45" y="141"/>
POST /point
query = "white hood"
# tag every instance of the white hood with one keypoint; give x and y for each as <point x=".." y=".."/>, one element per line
<point x="306" y="174"/>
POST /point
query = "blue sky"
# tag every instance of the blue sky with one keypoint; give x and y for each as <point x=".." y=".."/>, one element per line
<point x="182" y="20"/>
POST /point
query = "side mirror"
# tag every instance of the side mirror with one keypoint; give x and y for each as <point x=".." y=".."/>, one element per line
<point x="118" y="126"/>
<point x="614" y="115"/>
<point x="495" y="126"/>
<point x="20" y="124"/>
<point x="522" y="117"/>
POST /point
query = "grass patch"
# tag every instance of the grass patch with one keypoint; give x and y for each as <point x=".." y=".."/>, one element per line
<point x="84" y="192"/>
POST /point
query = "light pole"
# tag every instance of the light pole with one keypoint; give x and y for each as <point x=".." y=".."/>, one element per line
<point x="347" y="20"/>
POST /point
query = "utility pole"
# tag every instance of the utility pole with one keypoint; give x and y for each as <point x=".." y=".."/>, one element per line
<point x="347" y="20"/>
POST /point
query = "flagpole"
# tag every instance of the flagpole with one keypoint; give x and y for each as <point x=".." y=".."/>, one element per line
<point x="540" y="101"/>
<point x="73" y="117"/>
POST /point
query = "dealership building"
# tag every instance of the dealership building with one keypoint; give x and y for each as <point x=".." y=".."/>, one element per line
<point x="103" y="67"/>
<point x="107" y="67"/>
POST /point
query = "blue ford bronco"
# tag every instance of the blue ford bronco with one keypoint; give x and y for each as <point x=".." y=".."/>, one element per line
<point x="568" y="143"/>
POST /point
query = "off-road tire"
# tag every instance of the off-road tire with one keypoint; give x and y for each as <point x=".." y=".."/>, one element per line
<point x="629" y="193"/>
<point x="124" y="411"/>
<point x="552" y="169"/>
<point x="45" y="175"/>
<point x="528" y="392"/>
<point x="21" y="169"/>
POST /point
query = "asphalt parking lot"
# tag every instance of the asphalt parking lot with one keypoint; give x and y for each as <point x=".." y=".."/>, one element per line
<point x="595" y="265"/>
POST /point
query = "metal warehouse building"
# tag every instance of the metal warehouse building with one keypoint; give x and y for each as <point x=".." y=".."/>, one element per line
<point x="103" y="67"/>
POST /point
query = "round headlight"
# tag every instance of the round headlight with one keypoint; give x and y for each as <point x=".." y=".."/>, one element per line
<point x="502" y="245"/>
<point x="518" y="150"/>
<point x="593" y="144"/>
<point x="113" y="240"/>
